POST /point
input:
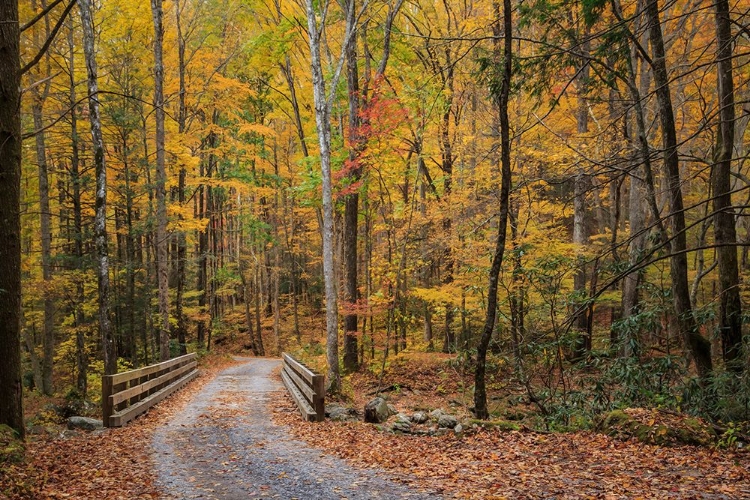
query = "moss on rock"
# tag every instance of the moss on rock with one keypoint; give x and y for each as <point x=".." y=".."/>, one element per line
<point x="654" y="427"/>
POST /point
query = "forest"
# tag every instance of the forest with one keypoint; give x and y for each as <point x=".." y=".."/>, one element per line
<point x="551" y="194"/>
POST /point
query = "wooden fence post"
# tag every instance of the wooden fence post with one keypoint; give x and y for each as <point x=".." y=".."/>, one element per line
<point x="107" y="409"/>
<point x="319" y="399"/>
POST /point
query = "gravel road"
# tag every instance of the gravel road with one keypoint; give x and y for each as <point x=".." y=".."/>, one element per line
<point x="224" y="445"/>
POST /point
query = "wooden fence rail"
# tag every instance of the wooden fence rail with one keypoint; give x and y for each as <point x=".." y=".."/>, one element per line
<point x="129" y="394"/>
<point x="306" y="387"/>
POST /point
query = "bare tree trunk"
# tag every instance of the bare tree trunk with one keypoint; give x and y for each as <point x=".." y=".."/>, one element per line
<point x="351" y="201"/>
<point x="75" y="177"/>
<point x="730" y="307"/>
<point x="323" y="122"/>
<point x="181" y="326"/>
<point x="581" y="184"/>
<point x="11" y="390"/>
<point x="39" y="96"/>
<point x="162" y="271"/>
<point x="100" y="219"/>
<point x="698" y="347"/>
<point x="480" y="390"/>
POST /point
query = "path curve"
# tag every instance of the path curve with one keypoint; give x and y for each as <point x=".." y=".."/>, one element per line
<point x="224" y="445"/>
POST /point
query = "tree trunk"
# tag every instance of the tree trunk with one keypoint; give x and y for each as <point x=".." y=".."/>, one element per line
<point x="48" y="334"/>
<point x="75" y="179"/>
<point x="162" y="243"/>
<point x="323" y="122"/>
<point x="698" y="347"/>
<point x="100" y="218"/>
<point x="480" y="391"/>
<point x="725" y="235"/>
<point x="11" y="390"/>
<point x="181" y="243"/>
<point x="351" y="202"/>
<point x="39" y="96"/>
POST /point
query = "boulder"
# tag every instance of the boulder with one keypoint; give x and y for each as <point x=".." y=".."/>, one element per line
<point x="458" y="429"/>
<point x="419" y="417"/>
<point x="403" y="419"/>
<point x="339" y="413"/>
<point x="84" y="423"/>
<point x="436" y="414"/>
<point x="377" y="411"/>
<point x="447" y="422"/>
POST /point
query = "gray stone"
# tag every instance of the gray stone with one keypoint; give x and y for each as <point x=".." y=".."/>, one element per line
<point x="436" y="414"/>
<point x="458" y="429"/>
<point x="84" y="423"/>
<point x="419" y="417"/>
<point x="404" y="427"/>
<point x="447" y="422"/>
<point x="340" y="413"/>
<point x="377" y="411"/>
<point x="403" y="419"/>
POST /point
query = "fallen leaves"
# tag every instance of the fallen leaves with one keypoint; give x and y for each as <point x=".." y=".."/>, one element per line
<point x="114" y="464"/>
<point x="489" y="463"/>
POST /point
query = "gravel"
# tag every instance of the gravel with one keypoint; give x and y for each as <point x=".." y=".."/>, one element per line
<point x="224" y="445"/>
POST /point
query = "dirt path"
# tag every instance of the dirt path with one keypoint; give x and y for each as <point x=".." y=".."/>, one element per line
<point x="224" y="445"/>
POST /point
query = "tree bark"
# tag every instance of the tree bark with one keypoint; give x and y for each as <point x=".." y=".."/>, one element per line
<point x="181" y="326"/>
<point x="725" y="234"/>
<point x="75" y="179"/>
<point x="323" y="122"/>
<point x="39" y="96"/>
<point x="100" y="218"/>
<point x="698" y="347"/>
<point x="480" y="390"/>
<point x="162" y="271"/>
<point x="351" y="201"/>
<point x="11" y="408"/>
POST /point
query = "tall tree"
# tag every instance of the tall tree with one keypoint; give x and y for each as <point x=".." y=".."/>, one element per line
<point x="730" y="307"/>
<point x="39" y="93"/>
<point x="317" y="17"/>
<point x="162" y="272"/>
<point x="698" y="347"/>
<point x="11" y="406"/>
<point x="100" y="218"/>
<point x="502" y="96"/>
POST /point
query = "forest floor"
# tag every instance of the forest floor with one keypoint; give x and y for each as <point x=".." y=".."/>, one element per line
<point x="220" y="434"/>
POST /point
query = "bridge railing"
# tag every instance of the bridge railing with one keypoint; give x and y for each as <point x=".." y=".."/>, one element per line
<point x="129" y="394"/>
<point x="306" y="387"/>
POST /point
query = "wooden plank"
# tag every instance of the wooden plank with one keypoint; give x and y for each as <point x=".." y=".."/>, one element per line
<point x="298" y="367"/>
<point x="141" y="388"/>
<point x="307" y="411"/>
<point x="301" y="385"/>
<point x="148" y="370"/>
<point x="121" y="418"/>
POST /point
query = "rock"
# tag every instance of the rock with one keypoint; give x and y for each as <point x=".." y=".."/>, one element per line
<point x="419" y="417"/>
<point x="392" y="409"/>
<point x="84" y="423"/>
<point x="403" y="419"/>
<point x="377" y="411"/>
<point x="458" y="429"/>
<point x="447" y="422"/>
<point x="339" y="413"/>
<point x="653" y="427"/>
<point x="401" y="426"/>
<point x="436" y="414"/>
